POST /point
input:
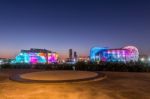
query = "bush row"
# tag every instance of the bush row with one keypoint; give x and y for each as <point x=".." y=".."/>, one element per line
<point x="124" y="67"/>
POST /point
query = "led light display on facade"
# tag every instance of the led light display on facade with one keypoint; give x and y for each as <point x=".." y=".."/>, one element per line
<point x="35" y="56"/>
<point x="126" y="54"/>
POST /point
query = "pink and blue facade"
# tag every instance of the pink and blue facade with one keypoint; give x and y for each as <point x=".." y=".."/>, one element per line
<point x="36" y="56"/>
<point x="126" y="54"/>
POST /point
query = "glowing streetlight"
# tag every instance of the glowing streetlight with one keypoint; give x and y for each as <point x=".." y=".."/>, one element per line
<point x="142" y="59"/>
<point x="149" y="59"/>
<point x="1" y="62"/>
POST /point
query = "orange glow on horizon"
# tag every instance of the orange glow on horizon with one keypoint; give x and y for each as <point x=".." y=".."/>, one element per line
<point x="7" y="54"/>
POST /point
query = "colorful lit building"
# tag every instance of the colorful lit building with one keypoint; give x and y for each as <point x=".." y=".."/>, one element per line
<point x="126" y="54"/>
<point x="35" y="56"/>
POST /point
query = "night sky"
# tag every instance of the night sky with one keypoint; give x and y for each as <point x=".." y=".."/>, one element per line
<point x="78" y="24"/>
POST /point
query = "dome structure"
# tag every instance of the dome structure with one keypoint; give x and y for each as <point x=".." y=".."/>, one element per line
<point x="134" y="53"/>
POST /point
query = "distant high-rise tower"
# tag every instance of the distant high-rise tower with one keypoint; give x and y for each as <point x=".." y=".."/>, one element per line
<point x="75" y="55"/>
<point x="70" y="53"/>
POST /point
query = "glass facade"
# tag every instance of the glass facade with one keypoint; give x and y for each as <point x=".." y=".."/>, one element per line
<point x="36" y="56"/>
<point x="126" y="54"/>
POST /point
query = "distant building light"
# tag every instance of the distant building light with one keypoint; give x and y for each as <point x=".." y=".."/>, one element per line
<point x="63" y="61"/>
<point x="142" y="59"/>
<point x="1" y="62"/>
<point x="149" y="59"/>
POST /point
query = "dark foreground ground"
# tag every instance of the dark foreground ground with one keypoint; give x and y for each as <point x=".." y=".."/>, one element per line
<point x="118" y="85"/>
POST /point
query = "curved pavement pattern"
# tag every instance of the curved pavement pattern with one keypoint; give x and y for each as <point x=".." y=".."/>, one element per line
<point x="58" y="76"/>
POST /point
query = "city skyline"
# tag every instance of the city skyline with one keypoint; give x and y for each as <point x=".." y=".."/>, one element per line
<point x="79" y="25"/>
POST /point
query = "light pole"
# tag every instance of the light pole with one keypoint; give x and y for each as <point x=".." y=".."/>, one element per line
<point x="142" y="59"/>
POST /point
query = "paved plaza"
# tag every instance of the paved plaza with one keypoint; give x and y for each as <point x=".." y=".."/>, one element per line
<point x="117" y="85"/>
<point x="58" y="76"/>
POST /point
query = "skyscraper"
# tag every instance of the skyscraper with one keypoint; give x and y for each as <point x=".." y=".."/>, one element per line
<point x="70" y="53"/>
<point x="75" y="54"/>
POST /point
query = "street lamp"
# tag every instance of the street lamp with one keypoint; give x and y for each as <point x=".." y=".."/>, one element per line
<point x="142" y="59"/>
<point x="1" y="62"/>
<point x="149" y="59"/>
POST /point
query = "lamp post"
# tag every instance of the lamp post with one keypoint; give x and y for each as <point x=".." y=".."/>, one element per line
<point x="142" y="59"/>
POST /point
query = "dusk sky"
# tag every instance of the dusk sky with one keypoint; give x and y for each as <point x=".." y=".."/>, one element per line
<point x="58" y="25"/>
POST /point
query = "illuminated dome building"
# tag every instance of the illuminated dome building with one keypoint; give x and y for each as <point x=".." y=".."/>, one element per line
<point x="35" y="56"/>
<point x="126" y="54"/>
